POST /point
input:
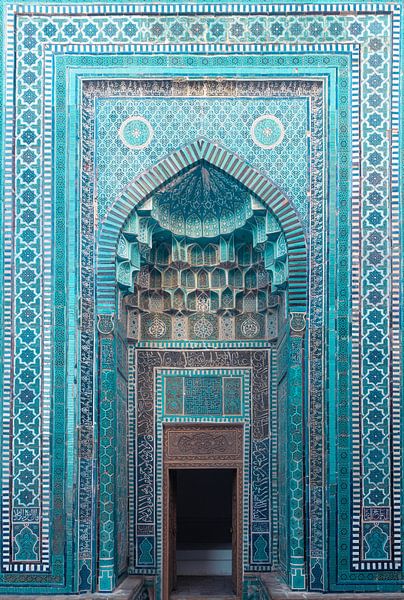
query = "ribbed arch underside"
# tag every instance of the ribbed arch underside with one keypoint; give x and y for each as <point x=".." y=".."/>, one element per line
<point x="148" y="182"/>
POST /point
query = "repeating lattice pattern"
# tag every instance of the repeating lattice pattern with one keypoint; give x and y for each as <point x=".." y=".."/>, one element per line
<point x="180" y="121"/>
<point x="29" y="303"/>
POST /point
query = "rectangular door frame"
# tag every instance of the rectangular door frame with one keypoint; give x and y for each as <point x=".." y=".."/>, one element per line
<point x="206" y="446"/>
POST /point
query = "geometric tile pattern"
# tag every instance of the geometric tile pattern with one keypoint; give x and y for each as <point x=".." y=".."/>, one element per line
<point x="204" y="393"/>
<point x="180" y="121"/>
<point x="283" y="553"/>
<point x="40" y="316"/>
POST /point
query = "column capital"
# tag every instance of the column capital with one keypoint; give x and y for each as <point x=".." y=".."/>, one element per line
<point x="106" y="324"/>
<point x="297" y="322"/>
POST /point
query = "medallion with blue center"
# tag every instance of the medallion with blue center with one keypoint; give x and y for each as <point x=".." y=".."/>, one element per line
<point x="136" y="132"/>
<point x="267" y="131"/>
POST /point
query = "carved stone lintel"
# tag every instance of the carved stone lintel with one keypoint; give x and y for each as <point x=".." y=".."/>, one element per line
<point x="297" y="323"/>
<point x="106" y="324"/>
<point x="204" y="443"/>
<point x="212" y="443"/>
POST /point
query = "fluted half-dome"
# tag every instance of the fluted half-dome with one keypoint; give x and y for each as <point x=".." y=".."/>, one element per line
<point x="203" y="202"/>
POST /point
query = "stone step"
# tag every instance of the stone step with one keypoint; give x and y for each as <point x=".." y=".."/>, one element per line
<point x="205" y="560"/>
<point x="198" y="588"/>
<point x="127" y="590"/>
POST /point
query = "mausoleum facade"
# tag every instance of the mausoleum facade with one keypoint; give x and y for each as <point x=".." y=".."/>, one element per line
<point x="202" y="273"/>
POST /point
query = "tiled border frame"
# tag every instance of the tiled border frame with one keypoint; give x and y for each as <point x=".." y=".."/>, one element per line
<point x="315" y="127"/>
<point x="379" y="5"/>
<point x="72" y="103"/>
<point x="317" y="74"/>
<point x="291" y="74"/>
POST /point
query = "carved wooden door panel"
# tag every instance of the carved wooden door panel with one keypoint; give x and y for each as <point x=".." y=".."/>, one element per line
<point x="173" y="529"/>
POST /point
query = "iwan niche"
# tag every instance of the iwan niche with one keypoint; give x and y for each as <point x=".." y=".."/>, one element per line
<point x="202" y="258"/>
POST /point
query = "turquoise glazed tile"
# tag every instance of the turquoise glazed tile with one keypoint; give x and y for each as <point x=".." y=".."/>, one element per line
<point x="201" y="223"/>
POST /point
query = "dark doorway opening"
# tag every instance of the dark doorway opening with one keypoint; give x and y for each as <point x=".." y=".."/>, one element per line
<point x="204" y="521"/>
<point x="204" y="525"/>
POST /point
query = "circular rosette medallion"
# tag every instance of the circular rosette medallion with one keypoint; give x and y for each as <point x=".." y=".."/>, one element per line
<point x="267" y="131"/>
<point x="157" y="328"/>
<point x="203" y="328"/>
<point x="250" y="328"/>
<point x="136" y="133"/>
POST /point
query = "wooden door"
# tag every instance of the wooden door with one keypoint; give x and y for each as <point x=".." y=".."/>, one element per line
<point x="201" y="446"/>
<point x="172" y="549"/>
<point x="234" y="534"/>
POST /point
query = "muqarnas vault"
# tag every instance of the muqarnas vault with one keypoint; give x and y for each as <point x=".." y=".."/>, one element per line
<point x="201" y="271"/>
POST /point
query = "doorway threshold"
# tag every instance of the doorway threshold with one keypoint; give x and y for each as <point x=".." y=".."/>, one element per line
<point x="198" y="587"/>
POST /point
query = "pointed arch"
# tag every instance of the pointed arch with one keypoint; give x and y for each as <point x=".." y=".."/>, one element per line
<point x="171" y="166"/>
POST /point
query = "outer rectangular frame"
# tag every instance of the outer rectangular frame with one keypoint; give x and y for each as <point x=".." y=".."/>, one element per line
<point x="395" y="208"/>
